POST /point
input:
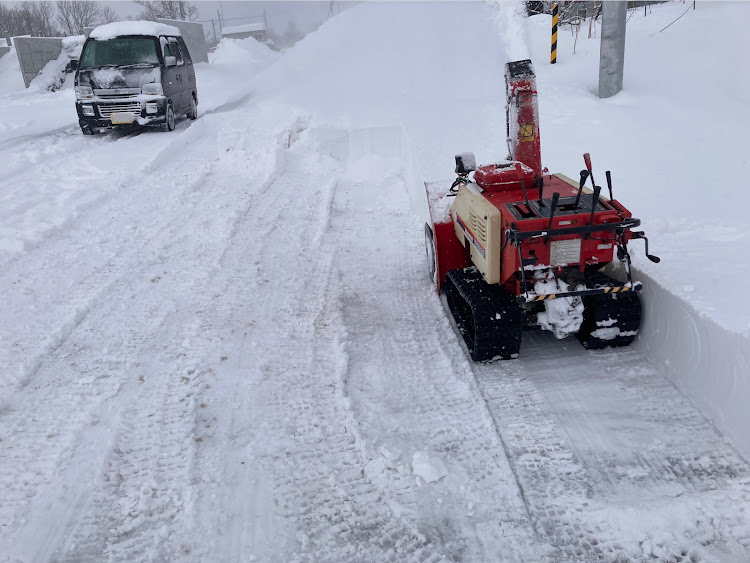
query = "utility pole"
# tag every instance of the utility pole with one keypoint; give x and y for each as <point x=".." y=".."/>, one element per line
<point x="214" y="29"/>
<point x="218" y="15"/>
<point x="265" y="19"/>
<point x="612" y="50"/>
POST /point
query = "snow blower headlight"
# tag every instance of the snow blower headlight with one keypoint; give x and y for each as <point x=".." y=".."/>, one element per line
<point x="84" y="93"/>
<point x="152" y="89"/>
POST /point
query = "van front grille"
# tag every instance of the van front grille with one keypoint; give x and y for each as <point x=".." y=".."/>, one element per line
<point x="108" y="109"/>
<point x="115" y="96"/>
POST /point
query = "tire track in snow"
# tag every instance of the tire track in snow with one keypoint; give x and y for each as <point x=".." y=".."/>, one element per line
<point x="408" y="392"/>
<point x="79" y="384"/>
<point x="607" y="451"/>
<point x="287" y="408"/>
<point x="86" y="259"/>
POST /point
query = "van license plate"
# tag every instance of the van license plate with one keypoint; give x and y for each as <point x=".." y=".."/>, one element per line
<point x="121" y="118"/>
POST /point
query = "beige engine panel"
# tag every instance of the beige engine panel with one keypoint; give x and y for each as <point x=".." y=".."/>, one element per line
<point x="481" y="230"/>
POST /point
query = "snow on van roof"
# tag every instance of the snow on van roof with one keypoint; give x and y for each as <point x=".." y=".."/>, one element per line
<point x="118" y="29"/>
<point x="243" y="28"/>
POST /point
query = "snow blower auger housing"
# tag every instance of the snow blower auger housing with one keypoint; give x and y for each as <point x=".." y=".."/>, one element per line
<point x="515" y="247"/>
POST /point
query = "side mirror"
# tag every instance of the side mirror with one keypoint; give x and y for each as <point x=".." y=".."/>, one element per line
<point x="170" y="61"/>
<point x="73" y="65"/>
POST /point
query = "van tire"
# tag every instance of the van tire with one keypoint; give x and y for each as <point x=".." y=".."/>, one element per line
<point x="86" y="130"/>
<point x="193" y="112"/>
<point x="169" y="125"/>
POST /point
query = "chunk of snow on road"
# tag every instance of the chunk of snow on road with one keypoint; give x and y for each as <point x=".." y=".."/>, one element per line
<point x="429" y="468"/>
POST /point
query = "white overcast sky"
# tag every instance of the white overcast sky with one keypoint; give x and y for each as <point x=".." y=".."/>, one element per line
<point x="307" y="15"/>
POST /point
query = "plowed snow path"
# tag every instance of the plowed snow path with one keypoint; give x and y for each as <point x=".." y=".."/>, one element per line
<point x="253" y="366"/>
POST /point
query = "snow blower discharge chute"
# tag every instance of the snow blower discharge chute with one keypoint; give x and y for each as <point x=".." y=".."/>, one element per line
<point x="515" y="247"/>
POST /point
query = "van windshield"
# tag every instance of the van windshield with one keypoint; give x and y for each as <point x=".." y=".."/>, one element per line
<point x="120" y="51"/>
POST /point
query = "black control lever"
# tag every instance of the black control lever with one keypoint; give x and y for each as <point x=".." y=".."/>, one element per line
<point x="597" y="191"/>
<point x="540" y="185"/>
<point x="553" y="208"/>
<point x="519" y="172"/>
<point x="584" y="176"/>
<point x="609" y="184"/>
<point x="642" y="235"/>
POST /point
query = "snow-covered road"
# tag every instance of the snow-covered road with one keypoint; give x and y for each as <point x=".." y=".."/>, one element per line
<point x="221" y="344"/>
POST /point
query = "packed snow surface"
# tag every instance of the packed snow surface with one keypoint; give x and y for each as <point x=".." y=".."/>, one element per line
<point x="119" y="29"/>
<point x="221" y="343"/>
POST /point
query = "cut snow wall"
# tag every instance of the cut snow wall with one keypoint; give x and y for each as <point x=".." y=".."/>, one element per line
<point x="34" y="53"/>
<point x="194" y="38"/>
<point x="351" y="145"/>
<point x="707" y="362"/>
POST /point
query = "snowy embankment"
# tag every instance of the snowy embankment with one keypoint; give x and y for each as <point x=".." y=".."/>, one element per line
<point x="674" y="140"/>
<point x="221" y="344"/>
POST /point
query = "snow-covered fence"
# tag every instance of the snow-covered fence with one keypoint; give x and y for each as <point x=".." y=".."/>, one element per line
<point x="34" y="53"/>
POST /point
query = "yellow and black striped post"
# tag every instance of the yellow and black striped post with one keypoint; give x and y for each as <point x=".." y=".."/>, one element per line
<point x="553" y="55"/>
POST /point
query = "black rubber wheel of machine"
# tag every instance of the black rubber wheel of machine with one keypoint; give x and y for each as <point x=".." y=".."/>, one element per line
<point x="601" y="310"/>
<point x="487" y="316"/>
<point x="429" y="246"/>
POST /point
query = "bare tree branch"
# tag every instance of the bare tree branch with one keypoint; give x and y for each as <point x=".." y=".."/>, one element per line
<point x="74" y="15"/>
<point x="167" y="9"/>
<point x="107" y="14"/>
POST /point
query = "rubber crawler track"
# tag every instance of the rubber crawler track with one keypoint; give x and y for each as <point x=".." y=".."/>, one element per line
<point x="621" y="311"/>
<point x="487" y="317"/>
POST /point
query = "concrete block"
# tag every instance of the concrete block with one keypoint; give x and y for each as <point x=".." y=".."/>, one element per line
<point x="34" y="53"/>
<point x="194" y="38"/>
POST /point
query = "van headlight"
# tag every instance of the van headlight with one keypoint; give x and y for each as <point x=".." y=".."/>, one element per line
<point x="84" y="93"/>
<point x="153" y="89"/>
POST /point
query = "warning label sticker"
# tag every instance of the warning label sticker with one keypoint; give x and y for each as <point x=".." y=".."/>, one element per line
<point x="564" y="252"/>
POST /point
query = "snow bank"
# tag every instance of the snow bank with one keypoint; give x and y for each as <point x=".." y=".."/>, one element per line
<point x="118" y="29"/>
<point x="710" y="363"/>
<point x="11" y="79"/>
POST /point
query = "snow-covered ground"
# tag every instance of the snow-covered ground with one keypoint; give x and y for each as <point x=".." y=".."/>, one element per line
<point x="221" y="344"/>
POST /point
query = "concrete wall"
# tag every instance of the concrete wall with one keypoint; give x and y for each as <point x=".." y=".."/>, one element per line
<point x="192" y="33"/>
<point x="3" y="51"/>
<point x="35" y="52"/>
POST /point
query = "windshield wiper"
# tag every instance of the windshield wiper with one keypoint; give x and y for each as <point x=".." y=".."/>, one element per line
<point x="139" y="65"/>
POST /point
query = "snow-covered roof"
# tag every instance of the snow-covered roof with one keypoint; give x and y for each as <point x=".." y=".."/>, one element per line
<point x="243" y="28"/>
<point x="118" y="29"/>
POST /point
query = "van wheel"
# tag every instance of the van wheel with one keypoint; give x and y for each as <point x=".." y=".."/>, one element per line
<point x="169" y="125"/>
<point x="193" y="113"/>
<point x="86" y="130"/>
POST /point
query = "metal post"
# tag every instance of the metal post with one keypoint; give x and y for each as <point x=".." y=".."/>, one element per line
<point x="612" y="50"/>
<point x="553" y="52"/>
<point x="265" y="19"/>
<point x="216" y="40"/>
<point x="218" y="15"/>
<point x="8" y="42"/>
